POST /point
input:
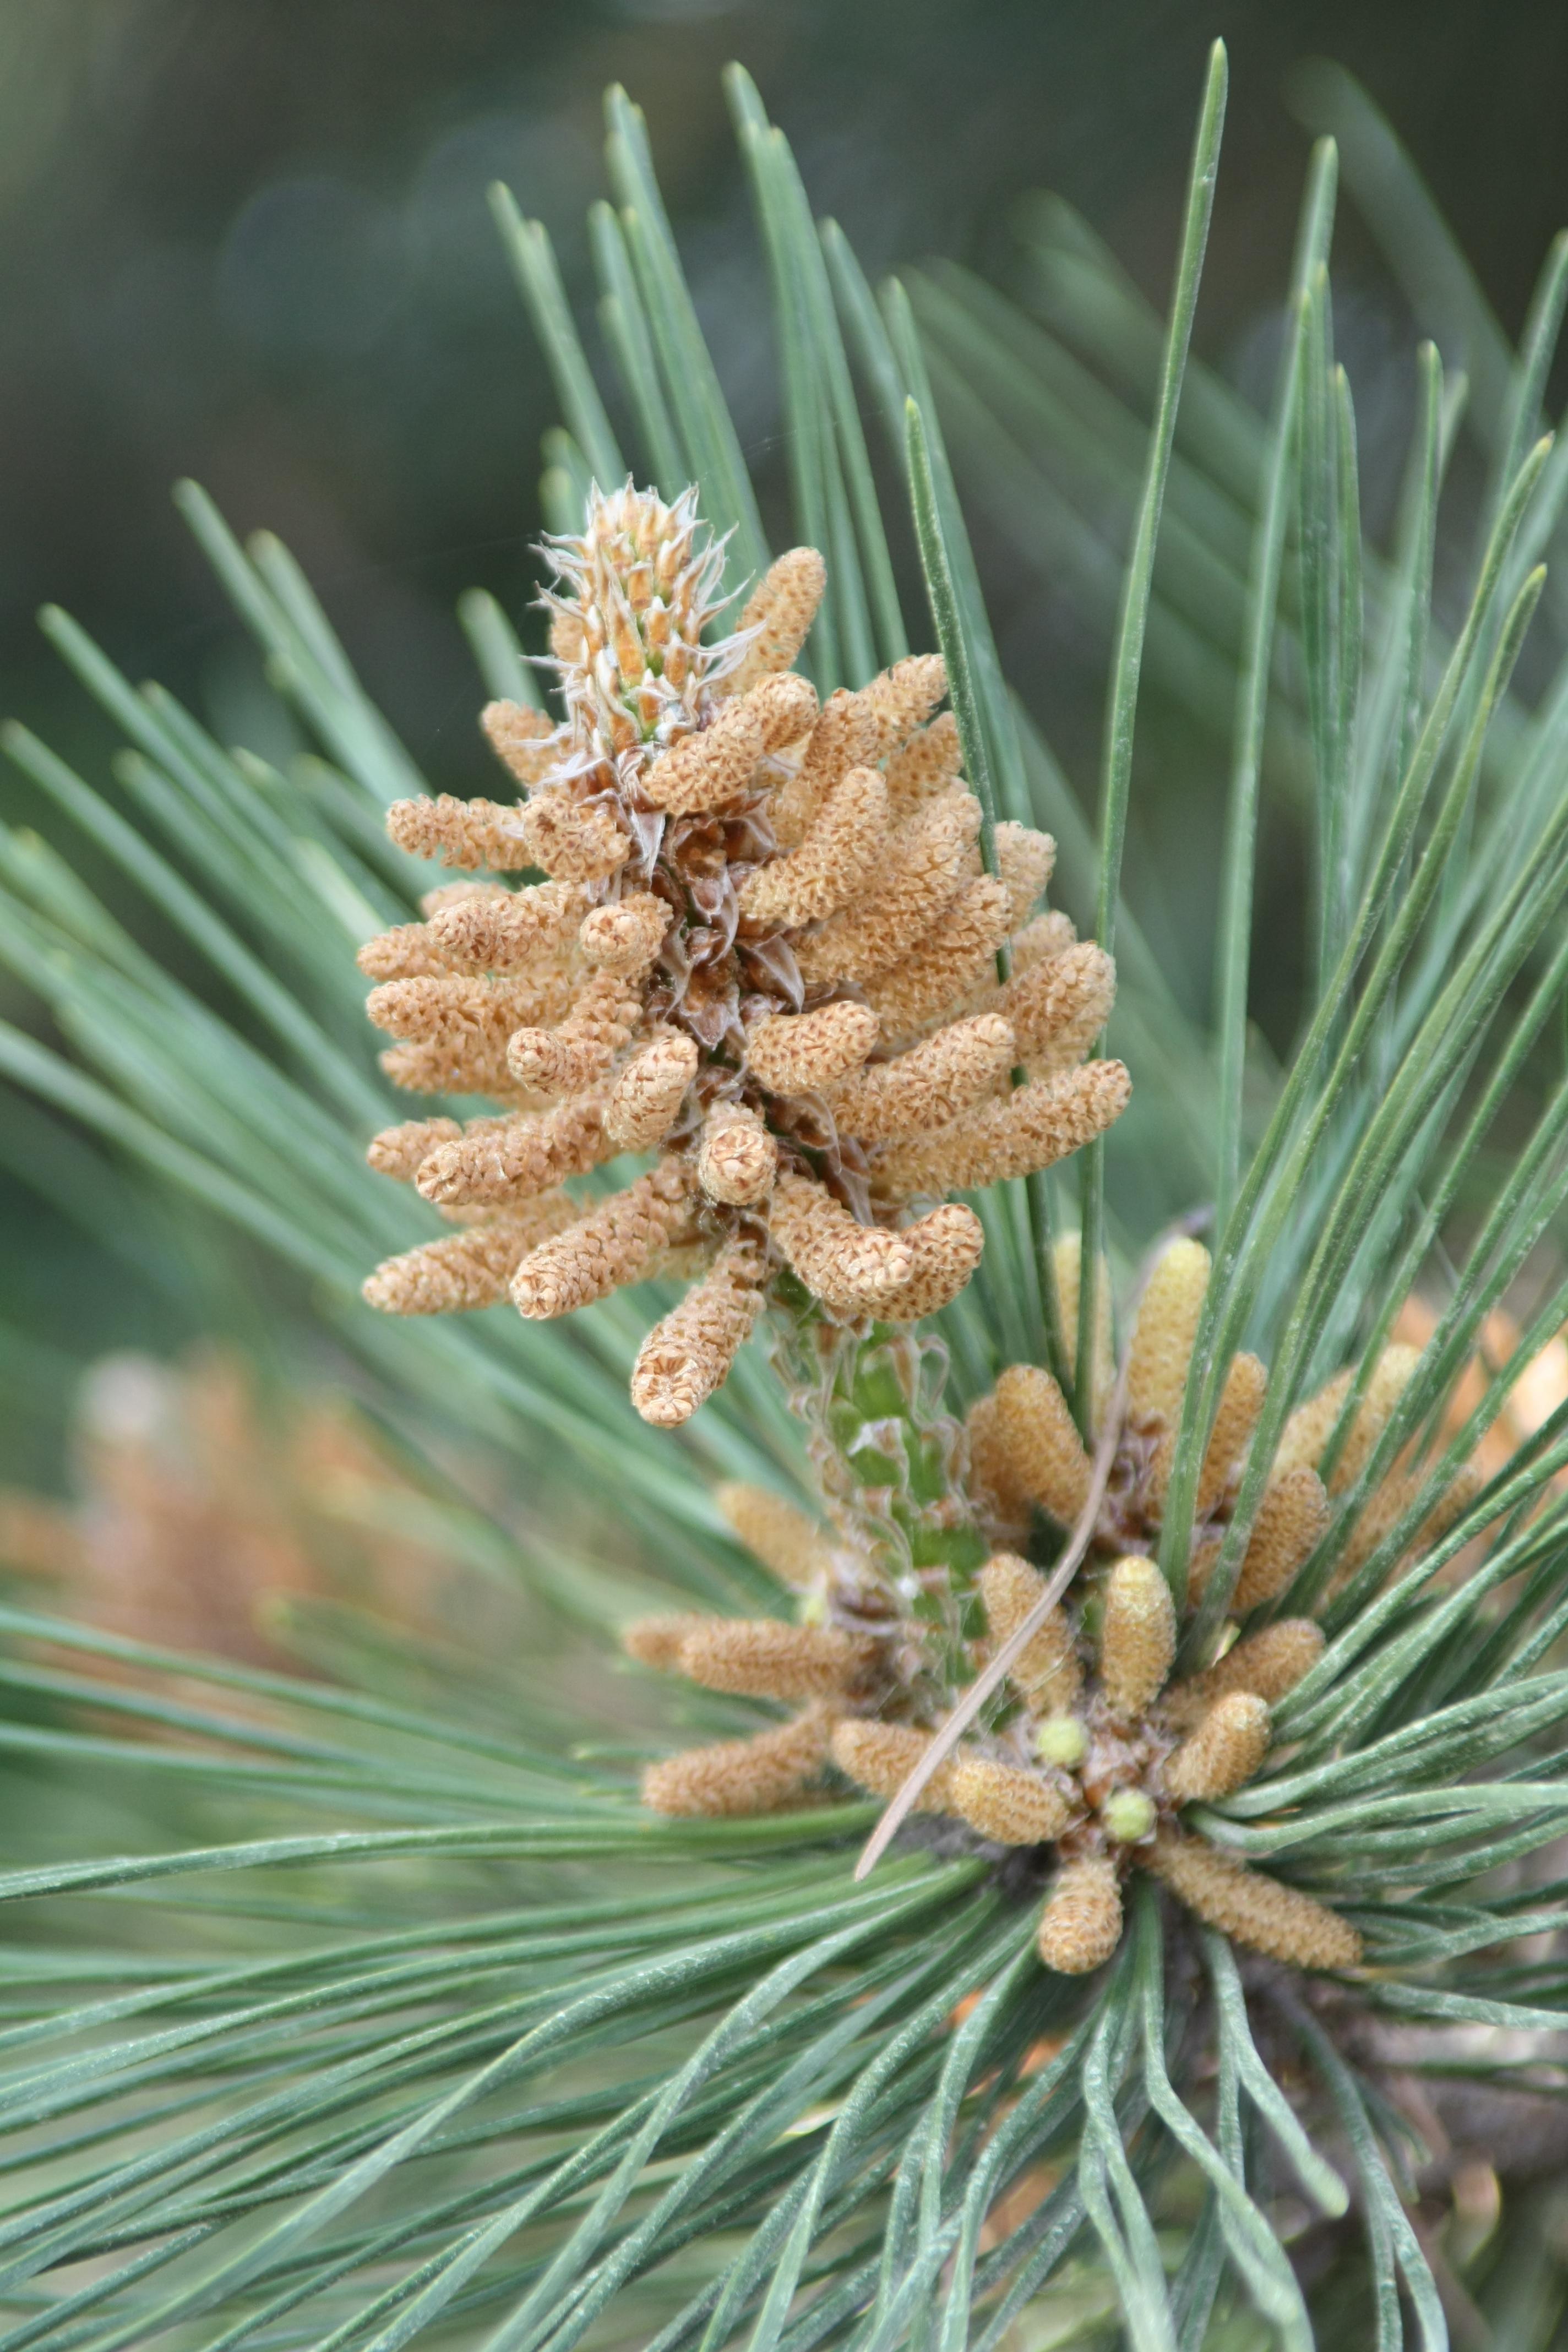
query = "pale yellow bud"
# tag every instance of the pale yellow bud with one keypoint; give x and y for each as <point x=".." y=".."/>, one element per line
<point x="899" y="699"/>
<point x="1251" y="1909"/>
<point x="844" y="737"/>
<point x="687" y="1356"/>
<point x="513" y="1159"/>
<point x="799" y="1053"/>
<point x="1201" y="1561"/>
<point x="460" y="833"/>
<point x="1236" y="1418"/>
<point x="1268" y="1663"/>
<point x="565" y="1059"/>
<point x="644" y="1101"/>
<point x="1391" y="1375"/>
<point x="1059" y="1005"/>
<point x="504" y="931"/>
<point x="470" y="1269"/>
<point x="462" y="1015"/>
<point x="926" y="1087"/>
<point x="1067" y="1257"/>
<point x="1390" y="1500"/>
<point x="408" y="952"/>
<point x="738" y="1777"/>
<point x="573" y="840"/>
<point x="627" y="937"/>
<point x="1014" y="1135"/>
<point x="1047" y="1673"/>
<point x="567" y="641"/>
<point x="946" y="1245"/>
<point x="450" y="1066"/>
<point x="880" y="1756"/>
<point x="841" y="850"/>
<point x="1451" y="1504"/>
<point x="1067" y="1264"/>
<point x="1004" y="1803"/>
<point x="1306" y="1432"/>
<point x="777" y="616"/>
<point x="1038" y="1437"/>
<point x="1128" y="1815"/>
<point x="452" y="894"/>
<point x="737" y="1158"/>
<point x="526" y="741"/>
<point x="940" y="974"/>
<point x="1045" y="936"/>
<point x="1226" y="1749"/>
<point x="706" y="769"/>
<point x="656" y="1642"/>
<point x="1290" y="1524"/>
<point x="1061" y="1740"/>
<point x="400" y="1151"/>
<point x="612" y="1245"/>
<point x="1387" y="1504"/>
<point x="924" y="866"/>
<point x="835" y="1257"/>
<point x="1240" y="1403"/>
<point x="764" y="1658"/>
<point x="1024" y="859"/>
<point x="1080" y="1926"/>
<point x="1138" y="1636"/>
<point x="930" y="761"/>
<point x="991" y="1481"/>
<point x="776" y="1532"/>
<point x="1163" y="1333"/>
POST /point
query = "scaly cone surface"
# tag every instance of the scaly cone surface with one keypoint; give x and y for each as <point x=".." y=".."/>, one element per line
<point x="1090" y="1753"/>
<point x="765" y="950"/>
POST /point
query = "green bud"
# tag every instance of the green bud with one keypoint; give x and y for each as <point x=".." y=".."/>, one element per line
<point x="1061" y="1740"/>
<point x="1128" y="1815"/>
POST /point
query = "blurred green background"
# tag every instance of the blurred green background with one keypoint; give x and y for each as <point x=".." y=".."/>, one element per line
<point x="249" y="242"/>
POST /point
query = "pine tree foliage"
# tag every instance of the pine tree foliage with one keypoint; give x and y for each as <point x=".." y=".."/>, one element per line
<point x="375" y="2009"/>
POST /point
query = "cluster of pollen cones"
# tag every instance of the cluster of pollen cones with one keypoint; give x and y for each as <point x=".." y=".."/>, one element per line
<point x="767" y="953"/>
<point x="1091" y="1749"/>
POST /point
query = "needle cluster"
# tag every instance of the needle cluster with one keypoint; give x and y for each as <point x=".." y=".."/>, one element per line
<point x="1099" y="1751"/>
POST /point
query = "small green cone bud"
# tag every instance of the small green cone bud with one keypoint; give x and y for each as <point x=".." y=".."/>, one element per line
<point x="1128" y="1815"/>
<point x="1061" y="1740"/>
